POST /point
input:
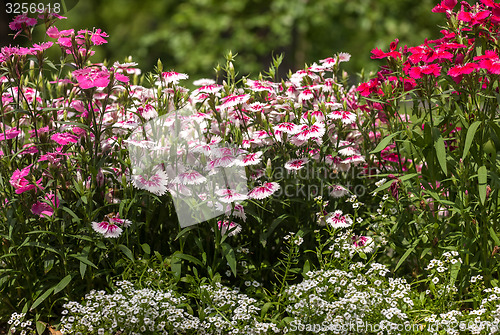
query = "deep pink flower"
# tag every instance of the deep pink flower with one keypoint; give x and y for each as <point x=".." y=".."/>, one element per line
<point x="9" y="134"/>
<point x="97" y="37"/>
<point x="17" y="23"/>
<point x="444" y="6"/>
<point x="20" y="183"/>
<point x="64" y="138"/>
<point x="431" y="69"/>
<point x="92" y="77"/>
<point x="41" y="208"/>
<point x="458" y="70"/>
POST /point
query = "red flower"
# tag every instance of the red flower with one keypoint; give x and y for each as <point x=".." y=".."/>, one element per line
<point x="462" y="69"/>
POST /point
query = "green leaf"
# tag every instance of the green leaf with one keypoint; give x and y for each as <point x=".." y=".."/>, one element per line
<point x="407" y="253"/>
<point x="306" y="268"/>
<point x="494" y="236"/>
<point x="83" y="269"/>
<point x="265" y="235"/>
<point x="441" y="153"/>
<point x="384" y="143"/>
<point x="127" y="252"/>
<point x="41" y="298"/>
<point x="146" y="248"/>
<point x="189" y="258"/>
<point x="62" y="284"/>
<point x="482" y="178"/>
<point x="455" y="269"/>
<point x="470" y="136"/>
<point x="230" y="256"/>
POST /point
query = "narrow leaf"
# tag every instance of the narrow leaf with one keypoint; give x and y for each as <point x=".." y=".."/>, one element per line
<point x="384" y="143"/>
<point x="62" y="284"/>
<point x="441" y="153"/>
<point x="470" y="136"/>
<point x="41" y="298"/>
<point x="126" y="251"/>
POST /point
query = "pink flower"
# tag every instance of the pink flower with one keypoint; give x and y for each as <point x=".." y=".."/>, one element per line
<point x="90" y="77"/>
<point x="296" y="164"/>
<point x="9" y="134"/>
<point x="17" y="23"/>
<point x="107" y="229"/>
<point x="338" y="220"/>
<point x="444" y="6"/>
<point x="97" y="37"/>
<point x="64" y="138"/>
<point x="264" y="191"/>
<point x="20" y="183"/>
<point x="43" y="208"/>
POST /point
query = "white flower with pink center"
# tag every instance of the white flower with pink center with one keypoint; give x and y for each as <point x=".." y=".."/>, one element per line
<point x="107" y="229"/>
<point x="306" y="132"/>
<point x="288" y="128"/>
<point x="317" y="114"/>
<point x="338" y="220"/>
<point x="256" y="107"/>
<point x="264" y="191"/>
<point x="173" y="77"/>
<point x="190" y="178"/>
<point x="296" y="164"/>
<point x="260" y="85"/>
<point x="306" y="94"/>
<point x="203" y="82"/>
<point x="338" y="191"/>
<point x="347" y="148"/>
<point x="231" y="228"/>
<point x="155" y="182"/>
<point x="363" y="243"/>
<point x="354" y="159"/>
<point x="250" y="159"/>
<point x="234" y="100"/>
<point x="228" y="196"/>
<point x="238" y="211"/>
<point x="329" y="62"/>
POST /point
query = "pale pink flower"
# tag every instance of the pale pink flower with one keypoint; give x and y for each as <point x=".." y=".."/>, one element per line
<point x="338" y="220"/>
<point x="264" y="191"/>
<point x="296" y="164"/>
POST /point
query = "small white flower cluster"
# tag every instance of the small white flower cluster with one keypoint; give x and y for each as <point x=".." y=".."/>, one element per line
<point x="240" y="312"/>
<point x="337" y="297"/>
<point x="16" y="321"/>
<point x="128" y="310"/>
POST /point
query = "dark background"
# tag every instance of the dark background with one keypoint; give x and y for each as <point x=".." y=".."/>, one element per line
<point x="192" y="36"/>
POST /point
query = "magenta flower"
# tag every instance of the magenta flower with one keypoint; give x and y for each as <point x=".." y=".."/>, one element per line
<point x="41" y="208"/>
<point x="64" y="138"/>
<point x="431" y="69"/>
<point x="9" y="134"/>
<point x="97" y="37"/>
<point x="459" y="70"/>
<point x="264" y="191"/>
<point x="17" y="23"/>
<point x="444" y="6"/>
<point x="92" y="77"/>
<point x="20" y="183"/>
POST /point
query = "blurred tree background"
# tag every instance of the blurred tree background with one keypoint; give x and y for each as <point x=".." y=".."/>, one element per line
<point x="192" y="36"/>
